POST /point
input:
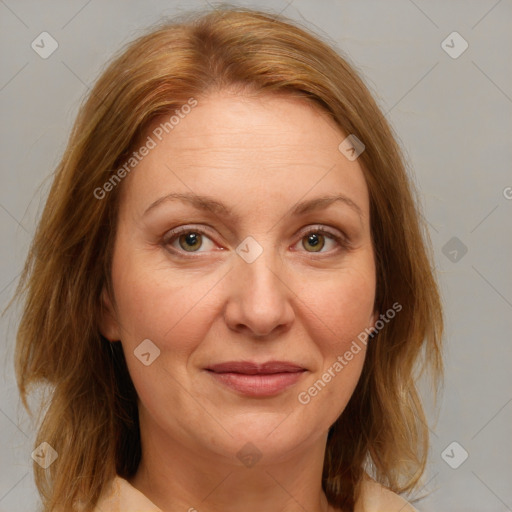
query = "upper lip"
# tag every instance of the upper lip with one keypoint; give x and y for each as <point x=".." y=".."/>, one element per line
<point x="252" y="368"/>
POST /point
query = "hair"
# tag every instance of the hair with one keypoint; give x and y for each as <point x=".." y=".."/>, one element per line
<point x="91" y="415"/>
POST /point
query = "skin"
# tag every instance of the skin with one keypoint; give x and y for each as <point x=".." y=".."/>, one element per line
<point x="259" y="155"/>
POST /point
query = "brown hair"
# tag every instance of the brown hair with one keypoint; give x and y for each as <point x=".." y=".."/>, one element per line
<point x="91" y="417"/>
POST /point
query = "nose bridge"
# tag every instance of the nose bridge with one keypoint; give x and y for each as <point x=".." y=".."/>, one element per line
<point x="259" y="298"/>
<point x="265" y="266"/>
<point x="259" y="267"/>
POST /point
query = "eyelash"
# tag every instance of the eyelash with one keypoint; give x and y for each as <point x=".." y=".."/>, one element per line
<point x="170" y="237"/>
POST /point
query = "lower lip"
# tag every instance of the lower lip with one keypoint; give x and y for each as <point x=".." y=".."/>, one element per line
<point x="258" y="385"/>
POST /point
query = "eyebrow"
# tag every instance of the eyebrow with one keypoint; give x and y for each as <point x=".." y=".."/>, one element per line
<point x="219" y="208"/>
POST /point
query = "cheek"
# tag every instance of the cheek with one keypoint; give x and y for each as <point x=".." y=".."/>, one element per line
<point x="342" y="308"/>
<point x="172" y="312"/>
<point x="164" y="310"/>
<point x="342" y="304"/>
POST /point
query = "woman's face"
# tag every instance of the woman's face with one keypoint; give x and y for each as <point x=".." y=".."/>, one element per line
<point x="248" y="310"/>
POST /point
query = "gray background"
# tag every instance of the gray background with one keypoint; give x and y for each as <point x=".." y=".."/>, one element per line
<point x="453" y="119"/>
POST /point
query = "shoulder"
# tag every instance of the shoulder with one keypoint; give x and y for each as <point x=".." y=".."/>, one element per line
<point x="120" y="496"/>
<point x="107" y="502"/>
<point x="377" y="498"/>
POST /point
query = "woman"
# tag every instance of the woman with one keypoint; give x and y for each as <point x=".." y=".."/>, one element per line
<point x="229" y="289"/>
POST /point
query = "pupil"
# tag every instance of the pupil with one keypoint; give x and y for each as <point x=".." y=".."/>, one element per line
<point x="314" y="241"/>
<point x="191" y="241"/>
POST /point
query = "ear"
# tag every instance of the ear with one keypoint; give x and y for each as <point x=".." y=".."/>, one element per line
<point x="108" y="324"/>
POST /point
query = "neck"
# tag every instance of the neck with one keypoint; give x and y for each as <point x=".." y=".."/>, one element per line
<point x="178" y="478"/>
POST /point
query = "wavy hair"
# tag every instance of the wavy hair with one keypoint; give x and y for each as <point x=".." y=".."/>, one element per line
<point x="90" y="412"/>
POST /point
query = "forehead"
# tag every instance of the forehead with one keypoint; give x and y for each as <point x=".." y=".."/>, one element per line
<point x="252" y="151"/>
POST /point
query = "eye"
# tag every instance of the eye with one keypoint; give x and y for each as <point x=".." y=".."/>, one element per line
<point x="190" y="240"/>
<point x="315" y="238"/>
<point x="186" y="239"/>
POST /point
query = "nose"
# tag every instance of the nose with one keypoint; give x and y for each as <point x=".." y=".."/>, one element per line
<point x="260" y="296"/>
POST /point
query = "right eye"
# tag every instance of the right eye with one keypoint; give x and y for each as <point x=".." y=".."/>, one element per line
<point x="186" y="240"/>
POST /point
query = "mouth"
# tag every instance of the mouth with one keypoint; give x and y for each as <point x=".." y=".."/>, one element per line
<point x="257" y="379"/>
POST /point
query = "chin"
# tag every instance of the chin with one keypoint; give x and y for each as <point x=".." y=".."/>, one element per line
<point x="270" y="437"/>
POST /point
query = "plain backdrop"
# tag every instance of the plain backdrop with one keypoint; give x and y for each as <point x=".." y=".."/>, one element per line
<point x="452" y="113"/>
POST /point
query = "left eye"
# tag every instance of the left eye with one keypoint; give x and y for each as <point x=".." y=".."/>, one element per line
<point x="191" y="240"/>
<point x="315" y="238"/>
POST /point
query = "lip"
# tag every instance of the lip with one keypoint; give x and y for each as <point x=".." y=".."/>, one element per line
<point x="251" y="368"/>
<point x="257" y="379"/>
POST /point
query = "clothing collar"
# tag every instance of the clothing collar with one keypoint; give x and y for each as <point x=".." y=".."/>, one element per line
<point x="121" y="496"/>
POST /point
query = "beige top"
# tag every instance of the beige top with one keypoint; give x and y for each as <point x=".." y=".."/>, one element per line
<point x="121" y="496"/>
